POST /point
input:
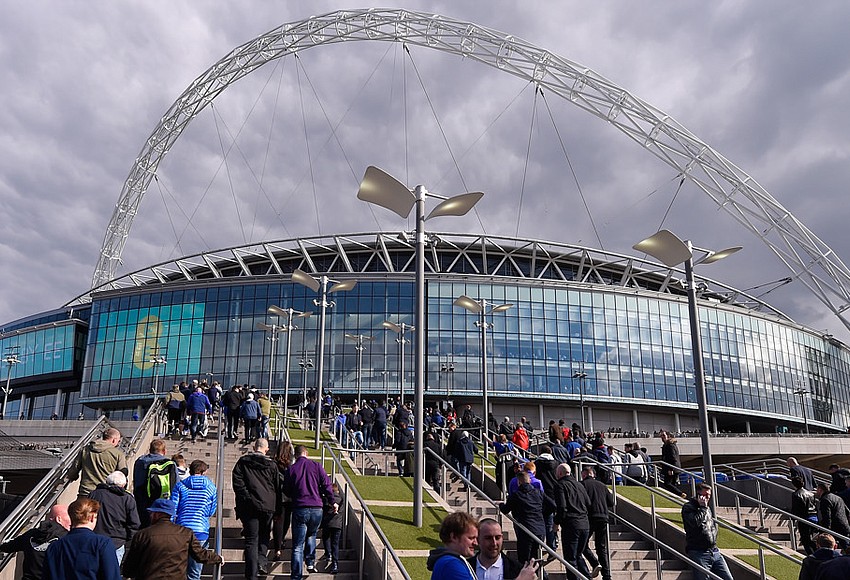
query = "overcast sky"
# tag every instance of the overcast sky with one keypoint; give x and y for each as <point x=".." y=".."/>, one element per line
<point x="84" y="83"/>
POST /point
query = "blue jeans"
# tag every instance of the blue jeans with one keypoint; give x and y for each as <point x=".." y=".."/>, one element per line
<point x="198" y="422"/>
<point x="711" y="560"/>
<point x="195" y="567"/>
<point x="305" y="525"/>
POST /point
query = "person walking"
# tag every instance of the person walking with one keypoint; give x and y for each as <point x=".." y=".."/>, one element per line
<point x="283" y="518"/>
<point x="33" y="543"/>
<point x="196" y="500"/>
<point x="529" y="507"/>
<point x="670" y="456"/>
<point x="118" y="517"/>
<point x="164" y="550"/>
<point x="256" y="486"/>
<point x="331" y="531"/>
<point x="250" y="413"/>
<point x="175" y="405"/>
<point x="601" y="502"/>
<point x="156" y="455"/>
<point x="231" y="403"/>
<point x="98" y="459"/>
<point x="198" y="407"/>
<point x="833" y="513"/>
<point x="804" y="505"/>
<point x="464" y="454"/>
<point x="81" y="554"/>
<point x="701" y="535"/>
<point x="573" y="505"/>
<point x="309" y="487"/>
<point x="402" y="443"/>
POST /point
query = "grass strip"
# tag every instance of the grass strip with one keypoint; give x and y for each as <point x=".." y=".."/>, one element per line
<point x="416" y="568"/>
<point x="397" y="524"/>
<point x="776" y="566"/>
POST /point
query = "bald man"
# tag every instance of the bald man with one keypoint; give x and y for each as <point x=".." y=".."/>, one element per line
<point x="34" y="543"/>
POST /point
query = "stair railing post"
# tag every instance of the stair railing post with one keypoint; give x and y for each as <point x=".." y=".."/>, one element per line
<point x="654" y="535"/>
<point x="384" y="566"/>
<point x="345" y="517"/>
<point x="738" y="508"/>
<point x="362" y="539"/>
<point x="762" y="571"/>
<point x="761" y="507"/>
<point x="791" y="528"/>
<point x="444" y="484"/>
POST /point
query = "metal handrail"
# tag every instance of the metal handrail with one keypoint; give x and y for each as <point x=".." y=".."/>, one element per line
<point x="365" y="513"/>
<point x="734" y="528"/>
<point x="219" y="490"/>
<point x="154" y="414"/>
<point x="37" y="502"/>
<point x="553" y="555"/>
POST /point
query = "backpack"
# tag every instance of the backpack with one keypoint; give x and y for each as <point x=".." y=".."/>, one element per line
<point x="162" y="477"/>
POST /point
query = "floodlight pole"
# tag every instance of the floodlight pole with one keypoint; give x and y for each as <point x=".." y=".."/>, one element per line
<point x="803" y="392"/>
<point x="419" y="361"/>
<point x="358" y="345"/>
<point x="10" y="360"/>
<point x="290" y="313"/>
<point x="322" y="303"/>
<point x="699" y="371"/>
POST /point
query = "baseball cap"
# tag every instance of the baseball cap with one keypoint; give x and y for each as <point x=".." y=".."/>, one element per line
<point x="163" y="505"/>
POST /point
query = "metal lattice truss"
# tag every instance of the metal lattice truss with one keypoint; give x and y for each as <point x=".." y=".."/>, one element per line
<point x="380" y="255"/>
<point x="812" y="262"/>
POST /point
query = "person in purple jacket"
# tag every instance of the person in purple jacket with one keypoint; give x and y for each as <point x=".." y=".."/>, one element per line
<point x="308" y="486"/>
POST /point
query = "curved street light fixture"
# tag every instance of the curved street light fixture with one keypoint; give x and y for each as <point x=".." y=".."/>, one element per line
<point x="358" y="339"/>
<point x="10" y="360"/>
<point x="400" y="329"/>
<point x="320" y="286"/>
<point x="381" y="188"/>
<point x="671" y="250"/>
<point x="483" y="308"/>
<point x="289" y="313"/>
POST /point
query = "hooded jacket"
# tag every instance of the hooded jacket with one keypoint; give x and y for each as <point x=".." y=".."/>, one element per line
<point x="700" y="528"/>
<point x="529" y="506"/>
<point x="256" y="484"/>
<point x="196" y="501"/>
<point x="97" y="460"/>
<point x="162" y="551"/>
<point x="34" y="544"/>
<point x="546" y="465"/>
<point x="447" y="565"/>
<point x="118" y="517"/>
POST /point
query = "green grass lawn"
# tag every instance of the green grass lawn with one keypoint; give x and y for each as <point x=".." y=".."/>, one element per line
<point x="641" y="497"/>
<point x="776" y="566"/>
<point x="397" y="525"/>
<point x="416" y="568"/>
<point x="373" y="487"/>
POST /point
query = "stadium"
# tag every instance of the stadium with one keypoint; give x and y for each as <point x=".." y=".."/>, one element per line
<point x="595" y="336"/>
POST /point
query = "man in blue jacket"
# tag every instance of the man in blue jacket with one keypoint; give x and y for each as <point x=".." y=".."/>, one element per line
<point x="198" y="406"/>
<point x="250" y="413"/>
<point x="459" y="534"/>
<point x="81" y="554"/>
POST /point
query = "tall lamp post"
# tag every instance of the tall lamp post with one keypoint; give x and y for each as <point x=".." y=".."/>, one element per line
<point x="306" y="364"/>
<point x="581" y="376"/>
<point x="803" y="392"/>
<point x="157" y="360"/>
<point x="320" y="285"/>
<point x="289" y="313"/>
<point x="400" y="330"/>
<point x="11" y="360"/>
<point x="480" y="307"/>
<point x="358" y="340"/>
<point x="448" y="368"/>
<point x="671" y="251"/>
<point x="383" y="189"/>
<point x="273" y="330"/>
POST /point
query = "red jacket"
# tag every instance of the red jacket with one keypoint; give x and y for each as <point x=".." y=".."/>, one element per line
<point x="520" y="438"/>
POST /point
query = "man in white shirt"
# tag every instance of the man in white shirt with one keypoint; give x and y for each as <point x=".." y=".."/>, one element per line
<point x="491" y="563"/>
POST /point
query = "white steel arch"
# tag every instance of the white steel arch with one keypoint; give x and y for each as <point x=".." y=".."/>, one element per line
<point x="809" y="258"/>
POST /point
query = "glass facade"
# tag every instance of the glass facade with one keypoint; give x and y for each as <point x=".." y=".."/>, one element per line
<point x="634" y="347"/>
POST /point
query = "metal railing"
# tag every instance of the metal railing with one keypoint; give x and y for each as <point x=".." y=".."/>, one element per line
<point x="387" y="552"/>
<point x="733" y="528"/>
<point x="46" y="492"/>
<point x="471" y="487"/>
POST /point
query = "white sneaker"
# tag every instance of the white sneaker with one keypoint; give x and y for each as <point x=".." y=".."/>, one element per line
<point x="597" y="570"/>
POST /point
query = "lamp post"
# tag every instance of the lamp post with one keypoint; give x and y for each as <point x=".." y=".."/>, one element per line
<point x="581" y="376"/>
<point x="321" y="286"/>
<point x="480" y="307"/>
<point x="400" y="330"/>
<point x="273" y="330"/>
<point x="157" y="360"/>
<point x="448" y="368"/>
<point x="383" y="189"/>
<point x="803" y="392"/>
<point x="358" y="340"/>
<point x="670" y="250"/>
<point x="289" y="313"/>
<point x="11" y="360"/>
<point x="306" y="364"/>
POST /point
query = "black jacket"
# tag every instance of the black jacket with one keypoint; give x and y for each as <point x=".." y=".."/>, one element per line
<point x="546" y="465"/>
<point x="256" y="485"/>
<point x="670" y="453"/>
<point x="118" y="517"/>
<point x="34" y="544"/>
<point x="833" y="514"/>
<point x="810" y="564"/>
<point x="529" y="507"/>
<point x="601" y="500"/>
<point x="700" y="527"/>
<point x="331" y="520"/>
<point x="232" y="400"/>
<point x="431" y="461"/>
<point x="573" y="504"/>
<point x="367" y="415"/>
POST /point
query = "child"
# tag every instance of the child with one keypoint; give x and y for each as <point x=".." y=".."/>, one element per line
<point x="182" y="470"/>
<point x="331" y="531"/>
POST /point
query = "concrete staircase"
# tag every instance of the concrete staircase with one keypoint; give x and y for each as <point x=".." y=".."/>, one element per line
<point x="771" y="526"/>
<point x="232" y="542"/>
